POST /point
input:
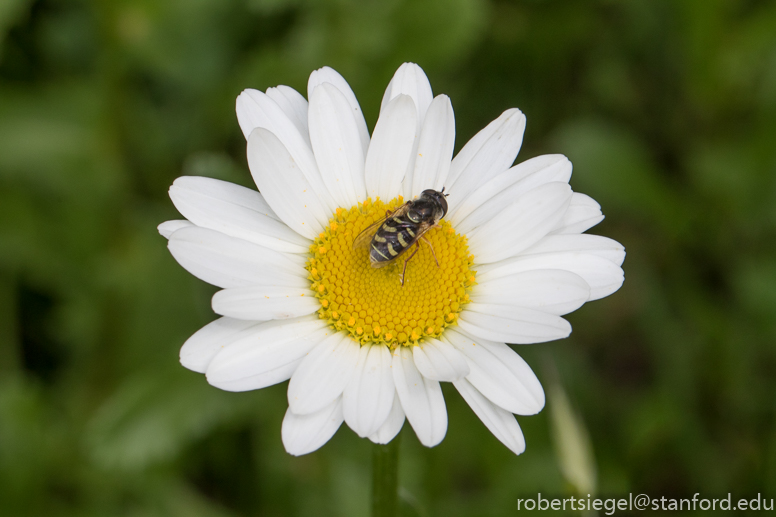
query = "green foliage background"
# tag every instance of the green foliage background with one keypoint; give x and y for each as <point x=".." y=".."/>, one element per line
<point x="667" y="108"/>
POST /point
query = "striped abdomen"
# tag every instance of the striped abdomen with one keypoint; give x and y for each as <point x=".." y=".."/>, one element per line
<point x="393" y="238"/>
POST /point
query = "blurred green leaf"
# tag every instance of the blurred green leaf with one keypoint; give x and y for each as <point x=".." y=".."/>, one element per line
<point x="572" y="443"/>
<point x="11" y="11"/>
<point x="615" y="168"/>
<point x="151" y="418"/>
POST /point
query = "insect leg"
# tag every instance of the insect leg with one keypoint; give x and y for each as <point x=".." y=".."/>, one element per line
<point x="432" y="249"/>
<point x="405" y="263"/>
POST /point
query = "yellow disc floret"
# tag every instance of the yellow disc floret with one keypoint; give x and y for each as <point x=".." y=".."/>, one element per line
<point x="371" y="304"/>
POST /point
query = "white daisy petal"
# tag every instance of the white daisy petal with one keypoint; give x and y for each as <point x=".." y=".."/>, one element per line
<point x="266" y="302"/>
<point x="329" y="75"/>
<point x="167" y="228"/>
<point x="439" y="361"/>
<point x="293" y="104"/>
<point x="266" y="355"/>
<point x="197" y="352"/>
<point x="513" y="324"/>
<point x="368" y="397"/>
<point x="391" y="149"/>
<point x="410" y="80"/>
<point x="583" y="213"/>
<point x="489" y="152"/>
<point x="435" y="149"/>
<point x="303" y="434"/>
<point x="603" y="247"/>
<point x="335" y="140"/>
<point x="323" y="374"/>
<point x="284" y="186"/>
<point x="392" y="424"/>
<point x="229" y="192"/>
<point x="555" y="291"/>
<point x="256" y="110"/>
<point x="225" y="261"/>
<point x="499" y="373"/>
<point x="602" y="275"/>
<point x="421" y="399"/>
<point x="217" y="205"/>
<point x="496" y="194"/>
<point x="498" y="421"/>
<point x="529" y="218"/>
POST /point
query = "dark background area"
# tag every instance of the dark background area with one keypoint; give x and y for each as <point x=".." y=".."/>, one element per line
<point x="666" y="108"/>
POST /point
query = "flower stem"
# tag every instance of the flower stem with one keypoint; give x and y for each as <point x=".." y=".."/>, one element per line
<point x="385" y="478"/>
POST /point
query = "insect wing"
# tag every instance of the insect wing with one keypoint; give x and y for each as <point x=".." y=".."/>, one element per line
<point x="363" y="239"/>
<point x="384" y="263"/>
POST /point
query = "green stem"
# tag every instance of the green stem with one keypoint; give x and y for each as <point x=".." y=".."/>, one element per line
<point x="385" y="479"/>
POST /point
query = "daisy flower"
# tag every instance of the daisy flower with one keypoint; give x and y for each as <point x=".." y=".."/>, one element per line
<point x="299" y="303"/>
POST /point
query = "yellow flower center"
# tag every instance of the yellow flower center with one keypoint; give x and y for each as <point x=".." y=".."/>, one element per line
<point x="372" y="304"/>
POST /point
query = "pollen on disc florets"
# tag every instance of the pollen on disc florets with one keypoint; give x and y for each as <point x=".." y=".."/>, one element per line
<point x="371" y="304"/>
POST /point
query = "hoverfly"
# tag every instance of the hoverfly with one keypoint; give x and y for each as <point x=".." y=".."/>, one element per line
<point x="392" y="236"/>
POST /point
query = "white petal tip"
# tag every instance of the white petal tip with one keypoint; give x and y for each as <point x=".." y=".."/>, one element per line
<point x="167" y="228"/>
